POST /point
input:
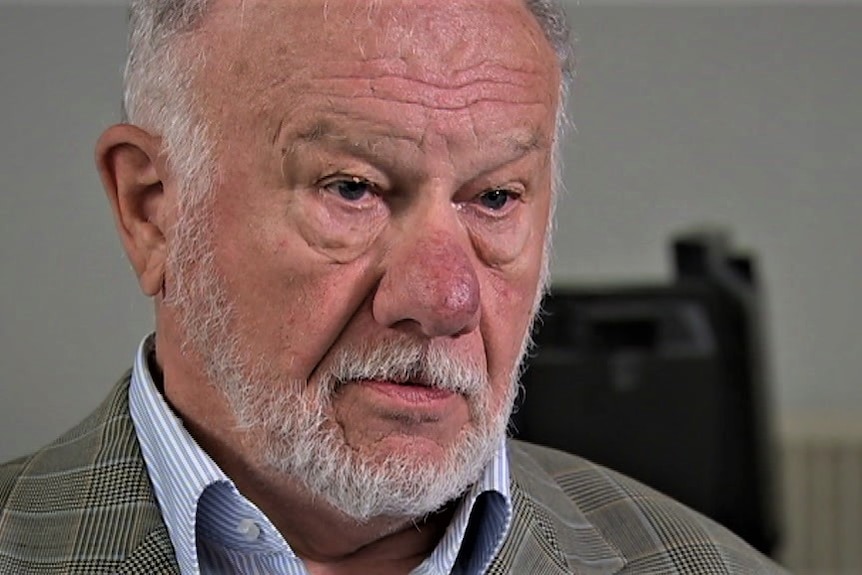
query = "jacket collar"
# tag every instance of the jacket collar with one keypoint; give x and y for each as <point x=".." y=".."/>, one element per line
<point x="549" y="535"/>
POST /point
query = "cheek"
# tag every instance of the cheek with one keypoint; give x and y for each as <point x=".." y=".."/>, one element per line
<point x="500" y="243"/>
<point x="509" y="293"/>
<point x="514" y="284"/>
<point x="506" y="317"/>
<point x="291" y="303"/>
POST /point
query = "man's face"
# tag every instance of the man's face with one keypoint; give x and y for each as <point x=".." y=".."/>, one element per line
<point x="377" y="230"/>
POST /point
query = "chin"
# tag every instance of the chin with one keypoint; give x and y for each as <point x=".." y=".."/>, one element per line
<point x="399" y="476"/>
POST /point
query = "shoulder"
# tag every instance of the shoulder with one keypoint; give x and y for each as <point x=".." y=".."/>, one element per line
<point x="67" y="455"/>
<point x="652" y="532"/>
<point x="76" y="450"/>
<point x="80" y="499"/>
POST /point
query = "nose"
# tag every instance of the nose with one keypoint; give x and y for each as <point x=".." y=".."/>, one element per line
<point x="429" y="286"/>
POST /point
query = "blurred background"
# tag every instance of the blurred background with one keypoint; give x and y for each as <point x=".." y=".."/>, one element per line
<point x="687" y="115"/>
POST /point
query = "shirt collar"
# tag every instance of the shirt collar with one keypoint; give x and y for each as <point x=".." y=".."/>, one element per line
<point x="480" y="523"/>
<point x="179" y="469"/>
<point x="181" y="472"/>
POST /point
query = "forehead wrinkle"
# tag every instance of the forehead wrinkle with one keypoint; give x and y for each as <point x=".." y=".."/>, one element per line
<point x="436" y="88"/>
<point x="397" y="88"/>
<point x="446" y="106"/>
<point x="518" y="71"/>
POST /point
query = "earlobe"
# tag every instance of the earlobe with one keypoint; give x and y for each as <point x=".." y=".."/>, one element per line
<point x="129" y="164"/>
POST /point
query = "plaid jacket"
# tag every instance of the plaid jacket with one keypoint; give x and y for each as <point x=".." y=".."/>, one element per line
<point x="84" y="504"/>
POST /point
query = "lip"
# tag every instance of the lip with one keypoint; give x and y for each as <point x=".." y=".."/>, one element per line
<point x="407" y="392"/>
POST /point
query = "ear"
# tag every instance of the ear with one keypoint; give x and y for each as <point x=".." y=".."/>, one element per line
<point x="131" y="171"/>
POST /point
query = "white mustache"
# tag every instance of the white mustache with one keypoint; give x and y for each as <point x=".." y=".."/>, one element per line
<point x="406" y="360"/>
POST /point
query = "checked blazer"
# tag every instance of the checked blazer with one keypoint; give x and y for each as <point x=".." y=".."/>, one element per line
<point x="84" y="504"/>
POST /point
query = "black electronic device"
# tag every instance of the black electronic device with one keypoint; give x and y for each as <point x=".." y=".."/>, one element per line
<point x="664" y="383"/>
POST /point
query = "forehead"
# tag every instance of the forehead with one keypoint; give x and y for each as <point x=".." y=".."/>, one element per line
<point x="408" y="28"/>
<point x="436" y="55"/>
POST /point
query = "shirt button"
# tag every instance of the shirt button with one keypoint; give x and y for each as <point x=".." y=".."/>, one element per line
<point x="248" y="529"/>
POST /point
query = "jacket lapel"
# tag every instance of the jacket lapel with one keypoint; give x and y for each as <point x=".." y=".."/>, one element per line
<point x="146" y="534"/>
<point x="549" y="534"/>
<point x="526" y="548"/>
<point x="153" y="556"/>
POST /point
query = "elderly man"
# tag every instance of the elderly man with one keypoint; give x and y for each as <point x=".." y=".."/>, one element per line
<point x="341" y="211"/>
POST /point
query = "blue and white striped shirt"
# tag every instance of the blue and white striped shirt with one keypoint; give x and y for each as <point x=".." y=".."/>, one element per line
<point x="215" y="529"/>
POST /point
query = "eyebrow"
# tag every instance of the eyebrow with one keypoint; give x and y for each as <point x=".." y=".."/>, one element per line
<point x="325" y="131"/>
<point x="316" y="132"/>
<point x="519" y="144"/>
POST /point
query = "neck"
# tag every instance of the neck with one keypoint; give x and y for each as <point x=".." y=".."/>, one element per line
<point x="326" y="539"/>
<point x="330" y="542"/>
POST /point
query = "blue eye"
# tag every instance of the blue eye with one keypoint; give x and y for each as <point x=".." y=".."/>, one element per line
<point x="351" y="189"/>
<point x="496" y="199"/>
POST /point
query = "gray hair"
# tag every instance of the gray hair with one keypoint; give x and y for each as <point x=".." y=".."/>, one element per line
<point x="159" y="96"/>
<point x="554" y="24"/>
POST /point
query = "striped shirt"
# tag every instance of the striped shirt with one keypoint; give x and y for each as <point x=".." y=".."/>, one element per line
<point x="215" y="529"/>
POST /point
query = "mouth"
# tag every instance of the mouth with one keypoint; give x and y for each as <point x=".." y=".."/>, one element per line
<point x="411" y="392"/>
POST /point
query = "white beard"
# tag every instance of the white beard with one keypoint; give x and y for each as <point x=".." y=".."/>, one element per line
<point x="300" y="439"/>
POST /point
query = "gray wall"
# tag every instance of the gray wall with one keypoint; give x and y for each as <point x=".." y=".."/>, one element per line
<point x="739" y="115"/>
